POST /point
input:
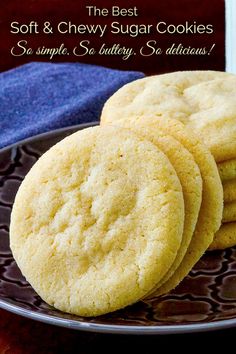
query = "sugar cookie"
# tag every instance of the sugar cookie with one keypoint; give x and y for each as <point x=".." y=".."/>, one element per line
<point x="225" y="237"/>
<point x="229" y="212"/>
<point x="227" y="169"/>
<point x="205" y="101"/>
<point x="187" y="171"/>
<point x="210" y="214"/>
<point x="229" y="188"/>
<point x="98" y="221"/>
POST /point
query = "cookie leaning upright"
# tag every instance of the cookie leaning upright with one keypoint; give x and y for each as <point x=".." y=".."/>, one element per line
<point x="210" y="214"/>
<point x="98" y="221"/>
<point x="188" y="173"/>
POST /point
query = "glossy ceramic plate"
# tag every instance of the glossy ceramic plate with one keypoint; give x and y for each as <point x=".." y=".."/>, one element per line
<point x="205" y="300"/>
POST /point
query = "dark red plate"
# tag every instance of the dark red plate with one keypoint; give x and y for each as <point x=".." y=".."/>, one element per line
<point x="205" y="300"/>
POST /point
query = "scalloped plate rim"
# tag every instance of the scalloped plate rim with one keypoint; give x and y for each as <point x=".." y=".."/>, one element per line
<point x="119" y="329"/>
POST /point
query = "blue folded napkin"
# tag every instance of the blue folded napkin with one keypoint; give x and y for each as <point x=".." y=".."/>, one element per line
<point x="39" y="97"/>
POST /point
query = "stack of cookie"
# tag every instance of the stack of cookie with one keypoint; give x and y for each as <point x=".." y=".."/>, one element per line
<point x="205" y="102"/>
<point x="226" y="236"/>
<point x="123" y="211"/>
<point x="111" y="215"/>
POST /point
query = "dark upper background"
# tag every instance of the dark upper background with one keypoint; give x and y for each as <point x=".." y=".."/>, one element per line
<point x="171" y="11"/>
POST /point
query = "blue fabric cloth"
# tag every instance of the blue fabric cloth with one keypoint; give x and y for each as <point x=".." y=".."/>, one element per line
<point x="39" y="97"/>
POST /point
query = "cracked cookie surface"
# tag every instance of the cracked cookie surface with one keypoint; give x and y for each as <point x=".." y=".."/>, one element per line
<point x="97" y="221"/>
<point x="205" y="101"/>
